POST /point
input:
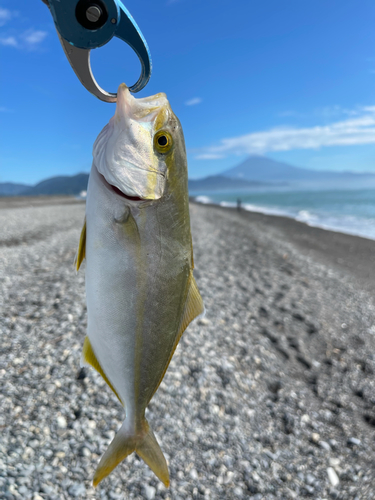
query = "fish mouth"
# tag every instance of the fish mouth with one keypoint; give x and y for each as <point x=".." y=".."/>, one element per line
<point x="118" y="191"/>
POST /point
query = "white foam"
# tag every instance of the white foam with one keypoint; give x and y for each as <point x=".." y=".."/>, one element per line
<point x="266" y="210"/>
<point x="203" y="199"/>
<point x="230" y="204"/>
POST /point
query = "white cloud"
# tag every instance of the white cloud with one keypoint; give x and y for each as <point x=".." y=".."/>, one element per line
<point x="359" y="129"/>
<point x="336" y="110"/>
<point x="34" y="37"/>
<point x="327" y="112"/>
<point x="29" y="40"/>
<point x="210" y="156"/>
<point x="9" y="41"/>
<point x="5" y="16"/>
<point x="193" y="101"/>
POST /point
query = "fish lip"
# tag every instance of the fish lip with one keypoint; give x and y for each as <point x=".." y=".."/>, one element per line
<point x="118" y="191"/>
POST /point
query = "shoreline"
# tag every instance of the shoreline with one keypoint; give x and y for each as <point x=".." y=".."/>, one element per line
<point x="347" y="252"/>
<point x="206" y="200"/>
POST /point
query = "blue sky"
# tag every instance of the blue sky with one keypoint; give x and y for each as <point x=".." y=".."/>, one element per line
<point x="292" y="80"/>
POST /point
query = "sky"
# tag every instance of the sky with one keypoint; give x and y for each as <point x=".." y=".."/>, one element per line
<point x="290" y="80"/>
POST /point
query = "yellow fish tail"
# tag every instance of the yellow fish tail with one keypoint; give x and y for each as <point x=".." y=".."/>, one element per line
<point x="123" y="444"/>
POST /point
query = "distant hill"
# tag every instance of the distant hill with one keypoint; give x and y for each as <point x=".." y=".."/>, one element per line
<point x="61" y="185"/>
<point x="73" y="185"/>
<point x="219" y="182"/>
<point x="12" y="189"/>
<point x="262" y="169"/>
<point x="64" y="184"/>
<point x="256" y="171"/>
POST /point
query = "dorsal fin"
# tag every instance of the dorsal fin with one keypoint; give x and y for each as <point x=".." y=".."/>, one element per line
<point x="81" y="252"/>
<point x="88" y="358"/>
<point x="193" y="308"/>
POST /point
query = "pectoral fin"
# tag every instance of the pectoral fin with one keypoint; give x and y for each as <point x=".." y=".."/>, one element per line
<point x="81" y="252"/>
<point x="88" y="358"/>
<point x="193" y="308"/>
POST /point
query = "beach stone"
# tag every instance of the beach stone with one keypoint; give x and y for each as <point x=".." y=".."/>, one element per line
<point x="61" y="422"/>
<point x="354" y="441"/>
<point x="315" y="437"/>
<point x="334" y="462"/>
<point x="204" y="321"/>
<point x="324" y="445"/>
<point x="310" y="479"/>
<point x="77" y="489"/>
<point x="149" y="492"/>
<point x="193" y="474"/>
<point x="332" y="476"/>
<point x="85" y="452"/>
<point x="46" y="488"/>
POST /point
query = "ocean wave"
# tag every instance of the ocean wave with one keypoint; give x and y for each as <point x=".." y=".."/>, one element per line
<point x="356" y="226"/>
<point x="230" y="204"/>
<point x="345" y="223"/>
<point x="203" y="199"/>
<point x="267" y="210"/>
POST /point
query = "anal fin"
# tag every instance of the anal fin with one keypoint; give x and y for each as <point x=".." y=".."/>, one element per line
<point x="81" y="252"/>
<point x="89" y="358"/>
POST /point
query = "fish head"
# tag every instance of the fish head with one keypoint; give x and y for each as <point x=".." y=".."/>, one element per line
<point x="133" y="151"/>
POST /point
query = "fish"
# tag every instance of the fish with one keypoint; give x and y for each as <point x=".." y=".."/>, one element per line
<point x="140" y="290"/>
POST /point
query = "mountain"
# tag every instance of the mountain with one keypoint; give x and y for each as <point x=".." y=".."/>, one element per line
<point x="61" y="185"/>
<point x="219" y="183"/>
<point x="261" y="169"/>
<point x="12" y="189"/>
<point x="256" y="171"/>
<point x="73" y="185"/>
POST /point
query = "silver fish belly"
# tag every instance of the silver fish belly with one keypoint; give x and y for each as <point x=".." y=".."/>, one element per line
<point x="141" y="293"/>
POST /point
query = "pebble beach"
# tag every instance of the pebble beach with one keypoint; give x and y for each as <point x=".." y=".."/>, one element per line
<point x="270" y="396"/>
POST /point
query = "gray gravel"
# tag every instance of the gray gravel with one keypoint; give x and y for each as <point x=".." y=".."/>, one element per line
<point x="270" y="396"/>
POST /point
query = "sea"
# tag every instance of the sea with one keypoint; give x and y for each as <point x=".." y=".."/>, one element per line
<point x="350" y="211"/>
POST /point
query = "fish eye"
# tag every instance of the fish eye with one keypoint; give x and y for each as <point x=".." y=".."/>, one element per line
<point x="163" y="141"/>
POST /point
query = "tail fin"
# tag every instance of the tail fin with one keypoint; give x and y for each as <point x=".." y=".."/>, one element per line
<point x="124" y="444"/>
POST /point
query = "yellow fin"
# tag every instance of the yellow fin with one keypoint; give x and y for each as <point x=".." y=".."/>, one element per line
<point x="81" y="252"/>
<point x="192" y="255"/>
<point x="88" y="356"/>
<point x="150" y="452"/>
<point x="121" y="446"/>
<point x="124" y="443"/>
<point x="193" y="308"/>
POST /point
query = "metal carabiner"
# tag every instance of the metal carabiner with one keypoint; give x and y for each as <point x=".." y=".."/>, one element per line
<point x="83" y="25"/>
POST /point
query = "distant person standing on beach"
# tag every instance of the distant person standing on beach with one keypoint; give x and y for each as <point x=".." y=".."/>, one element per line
<point x="239" y="204"/>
